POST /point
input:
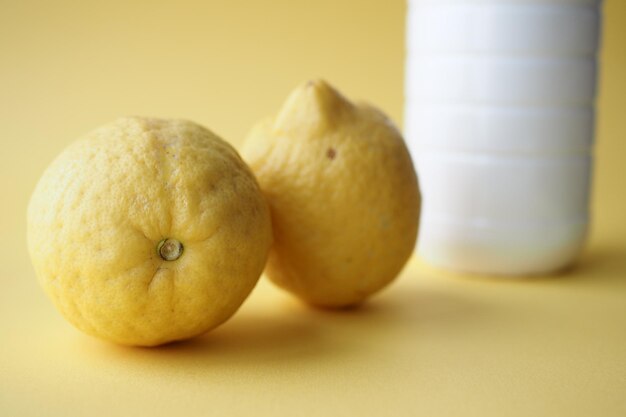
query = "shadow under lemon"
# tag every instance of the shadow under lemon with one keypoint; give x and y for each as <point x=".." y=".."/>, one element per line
<point x="273" y="329"/>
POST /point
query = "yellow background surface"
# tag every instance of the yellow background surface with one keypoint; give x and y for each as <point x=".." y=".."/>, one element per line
<point x="433" y="344"/>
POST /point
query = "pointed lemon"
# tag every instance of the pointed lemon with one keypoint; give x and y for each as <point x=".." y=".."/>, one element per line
<point x="343" y="195"/>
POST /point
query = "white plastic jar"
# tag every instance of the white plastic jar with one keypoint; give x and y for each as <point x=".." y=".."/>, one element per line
<point x="499" y="116"/>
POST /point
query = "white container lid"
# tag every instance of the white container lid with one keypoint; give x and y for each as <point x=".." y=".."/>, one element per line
<point x="560" y="2"/>
<point x="506" y="27"/>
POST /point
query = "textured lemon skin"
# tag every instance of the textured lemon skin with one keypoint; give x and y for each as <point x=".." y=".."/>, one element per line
<point x="343" y="195"/>
<point x="101" y="208"/>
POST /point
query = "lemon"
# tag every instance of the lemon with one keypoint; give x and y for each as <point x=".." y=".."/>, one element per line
<point x="343" y="195"/>
<point x="147" y="231"/>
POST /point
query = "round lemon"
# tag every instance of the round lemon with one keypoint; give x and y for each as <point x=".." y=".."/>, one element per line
<point x="148" y="231"/>
<point x="343" y="195"/>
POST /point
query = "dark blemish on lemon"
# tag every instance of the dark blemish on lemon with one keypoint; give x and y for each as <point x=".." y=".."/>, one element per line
<point x="331" y="153"/>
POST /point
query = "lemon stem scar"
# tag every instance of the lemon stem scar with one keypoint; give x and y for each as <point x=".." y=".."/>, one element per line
<point x="169" y="249"/>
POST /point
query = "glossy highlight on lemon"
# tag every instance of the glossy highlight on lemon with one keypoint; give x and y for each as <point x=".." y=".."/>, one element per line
<point x="147" y="231"/>
<point x="343" y="195"/>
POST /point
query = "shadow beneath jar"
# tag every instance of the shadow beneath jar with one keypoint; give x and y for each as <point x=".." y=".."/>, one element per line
<point x="596" y="264"/>
<point x="600" y="268"/>
<point x="601" y="259"/>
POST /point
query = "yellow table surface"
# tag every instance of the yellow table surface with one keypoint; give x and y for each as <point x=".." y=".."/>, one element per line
<point x="433" y="344"/>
